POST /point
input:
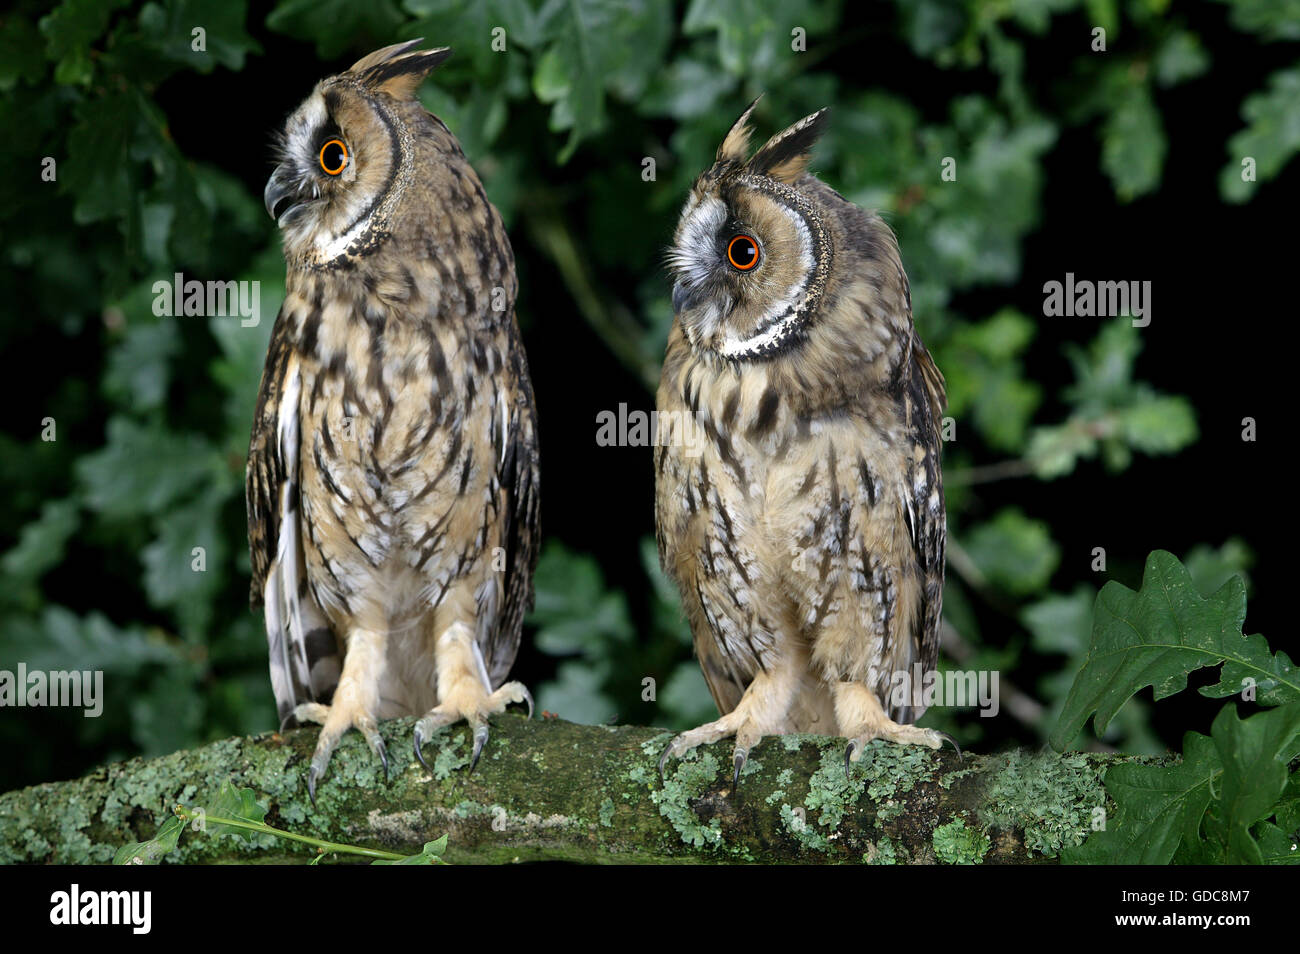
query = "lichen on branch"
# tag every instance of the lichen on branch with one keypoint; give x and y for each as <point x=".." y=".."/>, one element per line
<point x="563" y="792"/>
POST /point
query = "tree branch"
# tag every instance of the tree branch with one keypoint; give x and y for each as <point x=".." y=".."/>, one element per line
<point x="616" y="326"/>
<point x="557" y="791"/>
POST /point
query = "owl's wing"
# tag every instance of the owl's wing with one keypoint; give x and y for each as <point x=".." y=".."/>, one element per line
<point x="723" y="674"/>
<point x="726" y="676"/>
<point x="303" y="653"/>
<point x="924" y="398"/>
<point x="518" y="473"/>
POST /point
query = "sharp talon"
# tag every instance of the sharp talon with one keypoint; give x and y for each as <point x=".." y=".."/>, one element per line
<point x="311" y="784"/>
<point x="382" y="751"/>
<point x="284" y="723"/>
<point x="528" y="697"/>
<point x="418" y="754"/>
<point x="739" y="761"/>
<point x="848" y="760"/>
<point x="480" y="740"/>
<point x="953" y="742"/>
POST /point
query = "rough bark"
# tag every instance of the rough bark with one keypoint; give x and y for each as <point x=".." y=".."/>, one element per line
<point x="561" y="792"/>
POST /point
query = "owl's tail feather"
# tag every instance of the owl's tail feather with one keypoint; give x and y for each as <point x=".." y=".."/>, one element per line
<point x="305" y="659"/>
<point x="304" y="656"/>
<point x="288" y="669"/>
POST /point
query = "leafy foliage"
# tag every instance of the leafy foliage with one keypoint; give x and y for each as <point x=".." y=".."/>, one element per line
<point x="1162" y="632"/>
<point x="589" y="627"/>
<point x="1113" y="414"/>
<point x="1214" y="805"/>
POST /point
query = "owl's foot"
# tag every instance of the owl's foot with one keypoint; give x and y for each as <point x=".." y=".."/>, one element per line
<point x="760" y="712"/>
<point x="465" y="692"/>
<point x="476" y="716"/>
<point x="356" y="700"/>
<point x="712" y="732"/>
<point x="862" y="719"/>
<point x="335" y="720"/>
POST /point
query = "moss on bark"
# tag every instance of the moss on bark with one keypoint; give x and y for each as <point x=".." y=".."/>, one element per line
<point x="563" y="792"/>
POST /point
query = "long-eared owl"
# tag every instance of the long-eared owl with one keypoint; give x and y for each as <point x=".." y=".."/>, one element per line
<point x="805" y="525"/>
<point x="392" y="482"/>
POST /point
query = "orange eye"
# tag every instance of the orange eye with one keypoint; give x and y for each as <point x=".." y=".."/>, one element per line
<point x="742" y="253"/>
<point x="334" y="156"/>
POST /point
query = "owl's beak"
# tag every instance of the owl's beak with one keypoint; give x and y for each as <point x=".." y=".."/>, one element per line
<point x="684" y="297"/>
<point x="279" y="195"/>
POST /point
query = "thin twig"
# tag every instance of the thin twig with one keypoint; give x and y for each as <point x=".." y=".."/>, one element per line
<point x="1025" y="709"/>
<point x="611" y="320"/>
<point x="965" y="476"/>
<point x="185" y="814"/>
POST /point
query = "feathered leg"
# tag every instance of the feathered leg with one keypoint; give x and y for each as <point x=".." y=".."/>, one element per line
<point x="355" y="704"/>
<point x="464" y="691"/>
<point x="862" y="719"/>
<point x="762" y="710"/>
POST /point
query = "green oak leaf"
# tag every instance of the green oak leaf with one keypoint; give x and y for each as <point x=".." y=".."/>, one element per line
<point x="594" y="46"/>
<point x="574" y="611"/>
<point x="60" y="639"/>
<point x="69" y="32"/>
<point x="1015" y="552"/>
<point x="143" y="469"/>
<point x="151" y="852"/>
<point x="467" y="27"/>
<point x="1271" y="138"/>
<point x="1133" y="144"/>
<point x="1157" y="806"/>
<point x="167" y="30"/>
<point x="1288" y="806"/>
<point x="337" y="25"/>
<point x="1271" y="19"/>
<point x="237" y="803"/>
<point x="431" y="854"/>
<point x="43" y="542"/>
<point x="1253" y="753"/>
<point x="1160" y="633"/>
<point x="178" y="578"/>
<point x="20" y="53"/>
<point x="1276" y="845"/>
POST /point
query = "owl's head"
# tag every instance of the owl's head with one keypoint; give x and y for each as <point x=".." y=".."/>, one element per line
<point x="752" y="251"/>
<point x="346" y="155"/>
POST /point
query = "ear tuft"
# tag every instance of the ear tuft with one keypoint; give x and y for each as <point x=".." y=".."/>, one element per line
<point x="398" y="70"/>
<point x="735" y="147"/>
<point x="786" y="155"/>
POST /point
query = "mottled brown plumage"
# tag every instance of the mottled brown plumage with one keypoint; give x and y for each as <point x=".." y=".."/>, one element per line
<point x="807" y="538"/>
<point x="392" y="475"/>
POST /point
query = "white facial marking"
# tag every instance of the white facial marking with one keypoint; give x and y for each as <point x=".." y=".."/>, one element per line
<point x="780" y="316"/>
<point x="695" y="255"/>
<point x="331" y="247"/>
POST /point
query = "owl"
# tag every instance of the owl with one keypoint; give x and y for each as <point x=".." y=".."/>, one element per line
<point x="798" y="496"/>
<point x="392" y="481"/>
